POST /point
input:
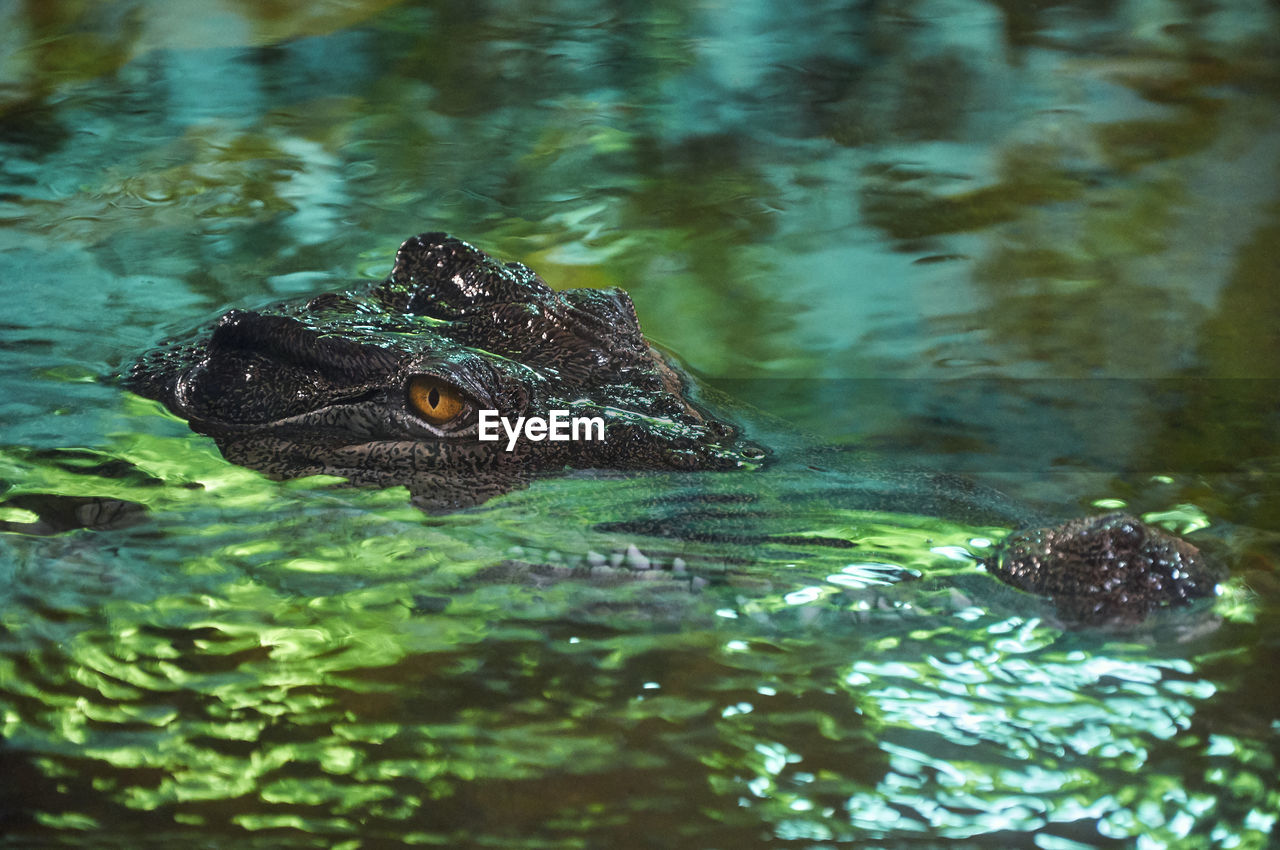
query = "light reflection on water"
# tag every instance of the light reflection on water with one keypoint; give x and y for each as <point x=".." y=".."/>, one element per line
<point x="340" y="708"/>
<point x="983" y="236"/>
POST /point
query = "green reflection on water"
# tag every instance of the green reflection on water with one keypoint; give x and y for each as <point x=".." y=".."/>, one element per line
<point x="191" y="653"/>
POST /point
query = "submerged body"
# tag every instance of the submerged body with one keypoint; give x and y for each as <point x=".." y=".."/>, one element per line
<point x="404" y="382"/>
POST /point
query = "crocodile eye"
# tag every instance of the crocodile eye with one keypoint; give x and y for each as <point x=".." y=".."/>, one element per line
<point x="434" y="400"/>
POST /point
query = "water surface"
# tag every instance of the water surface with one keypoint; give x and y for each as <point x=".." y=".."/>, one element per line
<point x="1037" y="245"/>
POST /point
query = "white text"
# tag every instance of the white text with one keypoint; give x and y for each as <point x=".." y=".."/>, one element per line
<point x="557" y="427"/>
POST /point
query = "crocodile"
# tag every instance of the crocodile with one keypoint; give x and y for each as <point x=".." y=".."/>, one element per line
<point x="403" y="382"/>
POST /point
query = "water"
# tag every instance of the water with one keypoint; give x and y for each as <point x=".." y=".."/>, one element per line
<point x="1036" y="245"/>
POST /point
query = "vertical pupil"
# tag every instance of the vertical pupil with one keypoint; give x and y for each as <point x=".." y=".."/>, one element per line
<point x="433" y="397"/>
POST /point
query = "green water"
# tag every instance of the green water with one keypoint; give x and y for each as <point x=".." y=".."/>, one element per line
<point x="1032" y="242"/>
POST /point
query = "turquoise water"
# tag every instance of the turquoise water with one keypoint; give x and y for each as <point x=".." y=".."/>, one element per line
<point x="1037" y="245"/>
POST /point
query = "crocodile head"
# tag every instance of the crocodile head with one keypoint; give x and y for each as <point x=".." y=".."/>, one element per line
<point x="397" y="383"/>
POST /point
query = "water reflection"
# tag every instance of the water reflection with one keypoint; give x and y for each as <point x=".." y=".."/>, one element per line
<point x="982" y="207"/>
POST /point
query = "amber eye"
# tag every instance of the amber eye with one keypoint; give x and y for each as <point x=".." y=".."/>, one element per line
<point x="434" y="400"/>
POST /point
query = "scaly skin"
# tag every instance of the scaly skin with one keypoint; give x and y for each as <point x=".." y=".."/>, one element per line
<point x="327" y="386"/>
<point x="322" y="386"/>
<point x="1105" y="569"/>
